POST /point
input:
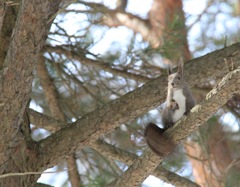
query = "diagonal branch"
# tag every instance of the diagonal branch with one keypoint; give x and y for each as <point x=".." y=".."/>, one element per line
<point x="173" y="178"/>
<point x="187" y="125"/>
<point x="94" y="124"/>
<point x="40" y="120"/>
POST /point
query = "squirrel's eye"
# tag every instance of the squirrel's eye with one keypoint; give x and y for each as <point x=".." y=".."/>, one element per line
<point x="179" y="78"/>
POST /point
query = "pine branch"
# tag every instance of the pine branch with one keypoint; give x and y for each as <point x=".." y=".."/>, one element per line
<point x="92" y="125"/>
<point x="113" y="153"/>
<point x="186" y="126"/>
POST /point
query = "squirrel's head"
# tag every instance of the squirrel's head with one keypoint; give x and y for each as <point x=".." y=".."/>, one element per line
<point x="176" y="80"/>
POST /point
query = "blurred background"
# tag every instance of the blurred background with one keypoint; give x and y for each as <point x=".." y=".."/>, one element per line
<point x="98" y="51"/>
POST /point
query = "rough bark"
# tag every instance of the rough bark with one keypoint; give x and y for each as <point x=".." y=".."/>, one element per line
<point x="7" y="22"/>
<point x="92" y="125"/>
<point x="29" y="35"/>
<point x="113" y="153"/>
<point x="184" y="127"/>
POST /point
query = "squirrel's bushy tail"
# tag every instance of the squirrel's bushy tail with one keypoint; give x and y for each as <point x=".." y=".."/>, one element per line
<point x="157" y="141"/>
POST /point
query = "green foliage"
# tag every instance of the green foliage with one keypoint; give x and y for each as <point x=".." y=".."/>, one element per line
<point x="173" y="39"/>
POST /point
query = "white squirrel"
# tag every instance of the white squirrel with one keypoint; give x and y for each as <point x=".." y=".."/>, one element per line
<point x="178" y="103"/>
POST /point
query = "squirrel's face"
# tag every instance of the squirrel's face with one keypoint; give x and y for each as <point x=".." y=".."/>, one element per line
<point x="175" y="81"/>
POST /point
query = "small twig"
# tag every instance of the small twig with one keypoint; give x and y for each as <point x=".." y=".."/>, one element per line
<point x="30" y="173"/>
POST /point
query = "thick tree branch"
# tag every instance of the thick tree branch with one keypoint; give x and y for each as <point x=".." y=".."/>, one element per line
<point x="40" y="120"/>
<point x="16" y="77"/>
<point x="43" y="121"/>
<point x="180" y="131"/>
<point x="92" y="125"/>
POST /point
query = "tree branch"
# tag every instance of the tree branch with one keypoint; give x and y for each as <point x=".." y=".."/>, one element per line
<point x="43" y="121"/>
<point x="49" y="89"/>
<point x="113" y="153"/>
<point x="92" y="125"/>
<point x="180" y="131"/>
<point x="173" y="178"/>
<point x="40" y="120"/>
<point x="128" y="158"/>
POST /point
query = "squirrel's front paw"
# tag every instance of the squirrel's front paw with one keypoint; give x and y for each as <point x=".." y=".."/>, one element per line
<point x="174" y="105"/>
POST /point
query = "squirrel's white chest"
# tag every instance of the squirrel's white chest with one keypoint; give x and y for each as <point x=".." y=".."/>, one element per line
<point x="181" y="101"/>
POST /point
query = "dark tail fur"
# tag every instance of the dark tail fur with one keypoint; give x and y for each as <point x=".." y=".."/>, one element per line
<point x="157" y="141"/>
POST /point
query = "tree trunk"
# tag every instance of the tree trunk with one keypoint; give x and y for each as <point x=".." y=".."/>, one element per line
<point x="19" y="153"/>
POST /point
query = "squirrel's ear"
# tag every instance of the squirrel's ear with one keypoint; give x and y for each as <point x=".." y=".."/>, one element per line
<point x="169" y="71"/>
<point x="180" y="66"/>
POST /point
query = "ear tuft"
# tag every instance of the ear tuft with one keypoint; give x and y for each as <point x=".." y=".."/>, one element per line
<point x="169" y="71"/>
<point x="180" y="66"/>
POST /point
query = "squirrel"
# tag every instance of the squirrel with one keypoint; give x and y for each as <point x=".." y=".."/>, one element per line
<point x="178" y="103"/>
